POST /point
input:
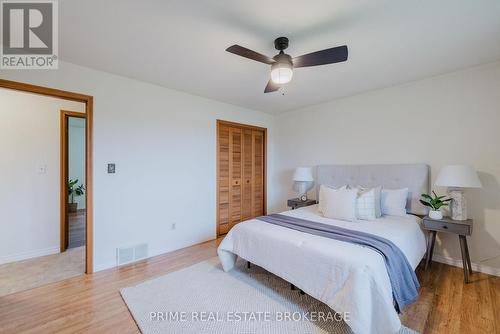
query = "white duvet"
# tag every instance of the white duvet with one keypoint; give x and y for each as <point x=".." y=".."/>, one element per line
<point x="347" y="277"/>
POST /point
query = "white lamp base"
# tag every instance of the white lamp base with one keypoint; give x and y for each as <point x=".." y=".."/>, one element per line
<point x="302" y="187"/>
<point x="458" y="205"/>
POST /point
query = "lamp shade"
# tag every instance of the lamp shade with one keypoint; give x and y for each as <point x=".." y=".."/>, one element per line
<point x="303" y="174"/>
<point x="458" y="176"/>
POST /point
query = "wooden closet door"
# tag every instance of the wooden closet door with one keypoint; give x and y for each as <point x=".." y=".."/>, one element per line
<point x="235" y="175"/>
<point x="223" y="195"/>
<point x="241" y="173"/>
<point x="258" y="173"/>
<point x="247" y="185"/>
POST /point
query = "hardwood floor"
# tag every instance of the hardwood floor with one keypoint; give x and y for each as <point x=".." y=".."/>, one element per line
<point x="76" y="233"/>
<point x="40" y="271"/>
<point x="92" y="303"/>
<point x="447" y="305"/>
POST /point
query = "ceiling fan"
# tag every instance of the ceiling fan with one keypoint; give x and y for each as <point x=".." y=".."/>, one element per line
<point x="282" y="65"/>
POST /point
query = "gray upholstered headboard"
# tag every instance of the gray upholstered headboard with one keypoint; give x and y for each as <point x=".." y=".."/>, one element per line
<point x="415" y="177"/>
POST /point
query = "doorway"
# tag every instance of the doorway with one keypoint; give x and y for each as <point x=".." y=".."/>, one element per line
<point x="73" y="177"/>
<point x="30" y="246"/>
<point x="88" y="103"/>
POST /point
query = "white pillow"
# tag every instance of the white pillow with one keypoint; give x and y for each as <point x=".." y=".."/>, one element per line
<point x="321" y="199"/>
<point x="393" y="201"/>
<point x="368" y="203"/>
<point x="339" y="204"/>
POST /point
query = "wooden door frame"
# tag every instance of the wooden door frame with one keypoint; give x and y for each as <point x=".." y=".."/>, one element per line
<point x="89" y="105"/>
<point x="219" y="123"/>
<point x="65" y="114"/>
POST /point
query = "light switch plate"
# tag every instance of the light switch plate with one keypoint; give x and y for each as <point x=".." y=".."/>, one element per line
<point x="111" y="168"/>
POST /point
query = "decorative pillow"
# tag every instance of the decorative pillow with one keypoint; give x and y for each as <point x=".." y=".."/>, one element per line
<point x="368" y="203"/>
<point x="340" y="204"/>
<point x="393" y="201"/>
<point x="321" y="204"/>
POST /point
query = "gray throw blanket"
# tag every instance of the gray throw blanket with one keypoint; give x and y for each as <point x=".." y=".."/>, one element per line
<point x="403" y="279"/>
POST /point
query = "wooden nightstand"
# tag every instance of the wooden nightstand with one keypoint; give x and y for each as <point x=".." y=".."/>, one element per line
<point x="461" y="227"/>
<point x="295" y="203"/>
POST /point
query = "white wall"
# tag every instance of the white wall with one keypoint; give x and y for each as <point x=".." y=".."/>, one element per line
<point x="76" y="155"/>
<point x="164" y="145"/>
<point x="29" y="197"/>
<point x="454" y="118"/>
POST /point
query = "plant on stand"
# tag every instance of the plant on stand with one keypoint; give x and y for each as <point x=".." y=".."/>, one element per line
<point x="435" y="202"/>
<point x="74" y="191"/>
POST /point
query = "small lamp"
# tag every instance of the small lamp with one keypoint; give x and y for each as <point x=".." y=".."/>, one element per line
<point x="456" y="178"/>
<point x="303" y="180"/>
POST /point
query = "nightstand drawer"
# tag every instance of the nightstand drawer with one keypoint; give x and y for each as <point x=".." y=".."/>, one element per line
<point x="461" y="229"/>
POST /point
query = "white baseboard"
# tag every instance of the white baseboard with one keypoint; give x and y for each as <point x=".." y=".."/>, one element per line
<point x="475" y="266"/>
<point x="152" y="253"/>
<point x="104" y="266"/>
<point x="29" y="254"/>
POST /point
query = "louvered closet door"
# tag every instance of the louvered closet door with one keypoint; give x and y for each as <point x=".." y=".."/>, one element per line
<point x="247" y="186"/>
<point x="223" y="195"/>
<point x="235" y="175"/>
<point x="241" y="175"/>
<point x="258" y="173"/>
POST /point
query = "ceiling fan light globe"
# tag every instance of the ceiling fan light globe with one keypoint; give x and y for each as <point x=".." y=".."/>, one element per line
<point x="281" y="73"/>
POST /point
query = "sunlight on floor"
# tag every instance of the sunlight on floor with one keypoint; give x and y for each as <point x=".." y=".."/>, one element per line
<point x="31" y="273"/>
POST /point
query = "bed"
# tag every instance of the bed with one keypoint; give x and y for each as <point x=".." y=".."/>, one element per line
<point x="348" y="278"/>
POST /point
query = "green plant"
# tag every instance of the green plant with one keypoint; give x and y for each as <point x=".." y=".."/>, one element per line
<point x="434" y="202"/>
<point x="74" y="190"/>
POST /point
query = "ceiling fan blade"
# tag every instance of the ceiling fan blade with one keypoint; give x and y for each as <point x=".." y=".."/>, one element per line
<point x="271" y="87"/>
<point x="247" y="53"/>
<point x="323" y="57"/>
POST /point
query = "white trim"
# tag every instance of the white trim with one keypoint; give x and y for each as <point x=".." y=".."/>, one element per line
<point x="29" y="254"/>
<point x="475" y="266"/>
<point x="152" y="253"/>
<point x="104" y="266"/>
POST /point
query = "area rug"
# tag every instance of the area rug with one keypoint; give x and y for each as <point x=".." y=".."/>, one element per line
<point x="205" y="299"/>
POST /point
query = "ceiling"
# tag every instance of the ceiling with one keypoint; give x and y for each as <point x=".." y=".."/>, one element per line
<point x="180" y="44"/>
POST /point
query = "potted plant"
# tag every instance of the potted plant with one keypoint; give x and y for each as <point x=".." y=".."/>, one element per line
<point x="435" y="202"/>
<point x="74" y="191"/>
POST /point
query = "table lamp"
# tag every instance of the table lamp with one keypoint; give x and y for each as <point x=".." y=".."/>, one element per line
<point x="457" y="178"/>
<point x="303" y="179"/>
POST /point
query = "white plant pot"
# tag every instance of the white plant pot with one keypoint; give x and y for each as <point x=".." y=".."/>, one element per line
<point x="435" y="214"/>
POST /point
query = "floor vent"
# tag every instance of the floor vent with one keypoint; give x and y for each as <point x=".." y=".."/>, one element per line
<point x="130" y="254"/>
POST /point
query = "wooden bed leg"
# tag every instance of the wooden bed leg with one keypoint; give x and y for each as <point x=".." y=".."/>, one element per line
<point x="248" y="264"/>
<point x="292" y="287"/>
